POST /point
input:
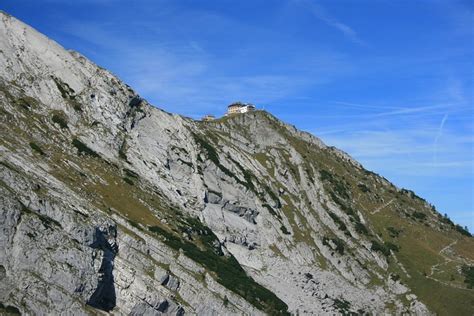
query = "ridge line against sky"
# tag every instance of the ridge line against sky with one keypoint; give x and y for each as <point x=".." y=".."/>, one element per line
<point x="388" y="82"/>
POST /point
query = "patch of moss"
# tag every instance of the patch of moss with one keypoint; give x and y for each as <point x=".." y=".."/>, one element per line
<point x="361" y="229"/>
<point x="130" y="173"/>
<point x="337" y="242"/>
<point x="187" y="163"/>
<point x="26" y="102"/>
<point x="77" y="107"/>
<point x="272" y="211"/>
<point x="336" y="184"/>
<point x="284" y="230"/>
<point x="60" y="119"/>
<point x="338" y="221"/>
<point x="84" y="149"/>
<point x="128" y="180"/>
<point x="384" y="248"/>
<point x="9" y="310"/>
<point x="212" y="155"/>
<point x="123" y="150"/>
<point x="65" y="90"/>
<point x="134" y="224"/>
<point x="343" y="306"/>
<point x="37" y="148"/>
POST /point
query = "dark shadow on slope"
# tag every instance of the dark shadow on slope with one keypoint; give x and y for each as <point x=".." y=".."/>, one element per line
<point x="104" y="297"/>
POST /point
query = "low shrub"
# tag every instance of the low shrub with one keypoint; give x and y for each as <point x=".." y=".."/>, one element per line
<point x="419" y="215"/>
<point x="363" y="187"/>
<point x="227" y="269"/>
<point x="463" y="231"/>
<point x="468" y="272"/>
<point x="393" y="232"/>
<point x="361" y="229"/>
<point x="342" y="305"/>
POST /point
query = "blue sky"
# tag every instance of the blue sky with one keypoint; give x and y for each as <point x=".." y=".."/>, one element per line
<point x="389" y="82"/>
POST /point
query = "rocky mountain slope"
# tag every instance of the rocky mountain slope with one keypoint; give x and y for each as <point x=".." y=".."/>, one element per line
<point x="108" y="204"/>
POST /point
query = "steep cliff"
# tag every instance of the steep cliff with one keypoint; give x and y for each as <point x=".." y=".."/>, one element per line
<point x="109" y="204"/>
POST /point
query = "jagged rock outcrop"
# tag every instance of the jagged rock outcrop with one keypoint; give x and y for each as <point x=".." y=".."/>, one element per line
<point x="109" y="204"/>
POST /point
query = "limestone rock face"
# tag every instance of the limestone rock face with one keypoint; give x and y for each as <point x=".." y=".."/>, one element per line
<point x="109" y="204"/>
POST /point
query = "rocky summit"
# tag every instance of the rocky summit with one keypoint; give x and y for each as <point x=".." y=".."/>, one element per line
<point x="110" y="205"/>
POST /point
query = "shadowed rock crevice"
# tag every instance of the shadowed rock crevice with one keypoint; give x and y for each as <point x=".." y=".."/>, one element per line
<point x="104" y="297"/>
<point x="248" y="214"/>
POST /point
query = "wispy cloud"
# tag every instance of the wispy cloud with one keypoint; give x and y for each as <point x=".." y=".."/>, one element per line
<point x="184" y="76"/>
<point x="320" y="13"/>
<point x="438" y="136"/>
<point x="365" y="106"/>
<point x="414" y="110"/>
<point x="416" y="148"/>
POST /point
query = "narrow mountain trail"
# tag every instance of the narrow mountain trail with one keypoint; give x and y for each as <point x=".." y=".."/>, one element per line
<point x="382" y="207"/>
<point x="447" y="260"/>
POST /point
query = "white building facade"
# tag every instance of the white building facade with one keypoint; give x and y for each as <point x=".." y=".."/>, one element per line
<point x="239" y="108"/>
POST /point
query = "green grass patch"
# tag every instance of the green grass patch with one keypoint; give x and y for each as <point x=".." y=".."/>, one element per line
<point x="227" y="270"/>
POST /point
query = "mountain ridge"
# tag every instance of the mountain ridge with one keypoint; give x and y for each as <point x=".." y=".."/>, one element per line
<point x="246" y="213"/>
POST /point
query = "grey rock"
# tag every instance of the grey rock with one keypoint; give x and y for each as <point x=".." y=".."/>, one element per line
<point x="170" y="281"/>
<point x="244" y="212"/>
<point x="65" y="246"/>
